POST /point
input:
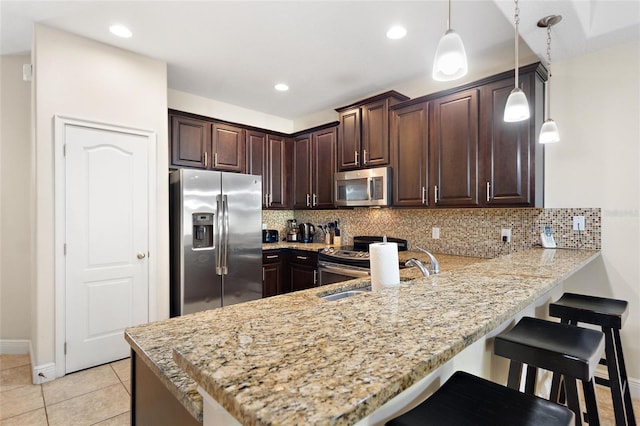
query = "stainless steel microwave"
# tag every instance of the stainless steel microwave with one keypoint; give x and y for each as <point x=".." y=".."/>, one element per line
<point x="363" y="188"/>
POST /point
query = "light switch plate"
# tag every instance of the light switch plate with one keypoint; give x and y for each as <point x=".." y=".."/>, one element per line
<point x="505" y="234"/>
<point x="578" y="223"/>
<point x="435" y="233"/>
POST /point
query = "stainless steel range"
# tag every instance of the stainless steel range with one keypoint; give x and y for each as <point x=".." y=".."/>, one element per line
<point x="349" y="262"/>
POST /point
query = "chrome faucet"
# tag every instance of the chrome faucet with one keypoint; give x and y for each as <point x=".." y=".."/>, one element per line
<point x="435" y="266"/>
<point x="415" y="262"/>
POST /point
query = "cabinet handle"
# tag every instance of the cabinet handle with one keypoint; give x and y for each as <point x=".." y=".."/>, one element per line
<point x="423" y="195"/>
<point x="263" y="274"/>
<point x="364" y="157"/>
<point x="488" y="192"/>
<point x="215" y="159"/>
<point x="272" y="256"/>
<point x="315" y="277"/>
<point x="302" y="257"/>
<point x="355" y="156"/>
<point x="206" y="159"/>
<point x="269" y="199"/>
<point x="266" y="200"/>
<point x="308" y="200"/>
<point x="315" y="200"/>
<point x="435" y="194"/>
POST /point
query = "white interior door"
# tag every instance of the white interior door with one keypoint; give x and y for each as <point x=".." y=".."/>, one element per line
<point x="106" y="237"/>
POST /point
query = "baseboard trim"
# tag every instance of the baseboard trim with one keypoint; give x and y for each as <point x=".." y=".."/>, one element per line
<point x="634" y="388"/>
<point x="43" y="373"/>
<point x="15" y="347"/>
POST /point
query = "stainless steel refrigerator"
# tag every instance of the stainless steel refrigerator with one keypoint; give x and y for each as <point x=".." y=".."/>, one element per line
<point x="216" y="239"/>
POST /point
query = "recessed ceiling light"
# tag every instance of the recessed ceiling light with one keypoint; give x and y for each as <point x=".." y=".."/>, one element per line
<point x="120" y="31"/>
<point x="281" y="87"/>
<point x="396" y="32"/>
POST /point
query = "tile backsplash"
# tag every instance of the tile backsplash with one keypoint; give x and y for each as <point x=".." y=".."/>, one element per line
<point x="464" y="232"/>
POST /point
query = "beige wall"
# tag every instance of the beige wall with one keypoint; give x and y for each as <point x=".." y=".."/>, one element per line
<point x="81" y="78"/>
<point x="15" y="179"/>
<point x="595" y="100"/>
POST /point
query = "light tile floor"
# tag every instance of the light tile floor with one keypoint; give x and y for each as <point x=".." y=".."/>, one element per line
<point x="97" y="396"/>
<point x="101" y="396"/>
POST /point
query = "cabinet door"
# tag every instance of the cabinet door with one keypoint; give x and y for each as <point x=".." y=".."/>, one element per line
<point x="302" y="172"/>
<point x="409" y="142"/>
<point x="256" y="161"/>
<point x="228" y="146"/>
<point x="375" y="134"/>
<point x="278" y="165"/>
<point x="323" y="167"/>
<point x="349" y="140"/>
<point x="302" y="277"/>
<point x="454" y="149"/>
<point x="271" y="279"/>
<point x="190" y="142"/>
<point x="507" y="148"/>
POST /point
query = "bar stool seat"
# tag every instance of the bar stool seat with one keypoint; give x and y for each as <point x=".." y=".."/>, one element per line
<point x="610" y="315"/>
<point x="571" y="351"/>
<point x="469" y="400"/>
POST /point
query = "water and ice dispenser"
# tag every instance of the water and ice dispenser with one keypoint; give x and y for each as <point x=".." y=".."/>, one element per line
<point x="202" y="230"/>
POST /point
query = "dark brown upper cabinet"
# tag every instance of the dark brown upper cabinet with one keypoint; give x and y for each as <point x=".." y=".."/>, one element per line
<point x="454" y="149"/>
<point x="410" y="155"/>
<point x="363" y="133"/>
<point x="228" y="145"/>
<point x="190" y="142"/>
<point x="203" y="143"/>
<point x="314" y="159"/>
<point x="473" y="157"/>
<point x="269" y="156"/>
<point x="512" y="167"/>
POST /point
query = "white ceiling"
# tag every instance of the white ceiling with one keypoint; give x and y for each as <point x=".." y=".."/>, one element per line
<point x="330" y="53"/>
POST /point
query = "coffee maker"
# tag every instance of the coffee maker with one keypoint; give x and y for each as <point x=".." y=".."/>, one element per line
<point x="293" y="231"/>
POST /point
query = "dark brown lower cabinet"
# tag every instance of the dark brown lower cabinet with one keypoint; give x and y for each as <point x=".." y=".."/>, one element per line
<point x="273" y="282"/>
<point x="303" y="269"/>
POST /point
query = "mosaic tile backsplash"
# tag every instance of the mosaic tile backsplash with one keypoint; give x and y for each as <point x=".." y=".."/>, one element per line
<point x="463" y="232"/>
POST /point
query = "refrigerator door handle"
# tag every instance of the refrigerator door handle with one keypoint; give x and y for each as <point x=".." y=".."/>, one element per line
<point x="218" y="235"/>
<point x="225" y="207"/>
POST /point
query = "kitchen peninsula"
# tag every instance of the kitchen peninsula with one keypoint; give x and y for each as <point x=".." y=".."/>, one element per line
<point x="299" y="359"/>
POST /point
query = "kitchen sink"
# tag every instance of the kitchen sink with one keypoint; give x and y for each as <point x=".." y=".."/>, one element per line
<point x="346" y="293"/>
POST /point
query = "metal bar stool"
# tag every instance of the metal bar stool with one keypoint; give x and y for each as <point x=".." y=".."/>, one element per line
<point x="466" y="400"/>
<point x="570" y="351"/>
<point x="610" y="315"/>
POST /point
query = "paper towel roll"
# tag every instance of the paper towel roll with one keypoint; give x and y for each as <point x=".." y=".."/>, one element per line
<point x="385" y="269"/>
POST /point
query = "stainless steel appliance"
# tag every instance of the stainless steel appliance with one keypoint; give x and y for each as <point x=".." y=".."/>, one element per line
<point x="346" y="263"/>
<point x="293" y="231"/>
<point x="307" y="231"/>
<point x="216" y="247"/>
<point x="361" y="188"/>
<point x="270" y="236"/>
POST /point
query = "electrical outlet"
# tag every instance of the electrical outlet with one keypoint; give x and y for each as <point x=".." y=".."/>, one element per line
<point x="578" y="223"/>
<point x="435" y="233"/>
<point x="505" y="235"/>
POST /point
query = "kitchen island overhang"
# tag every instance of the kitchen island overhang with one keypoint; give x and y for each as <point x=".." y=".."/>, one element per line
<point x="298" y="359"/>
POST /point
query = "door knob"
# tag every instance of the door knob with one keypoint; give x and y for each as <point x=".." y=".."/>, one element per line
<point x="141" y="256"/>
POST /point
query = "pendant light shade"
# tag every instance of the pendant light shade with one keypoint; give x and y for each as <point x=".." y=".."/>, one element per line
<point x="451" y="59"/>
<point x="517" y="107"/>
<point x="549" y="132"/>
<point x="450" y="62"/>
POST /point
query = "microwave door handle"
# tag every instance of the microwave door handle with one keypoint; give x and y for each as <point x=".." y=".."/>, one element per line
<point x="370" y="189"/>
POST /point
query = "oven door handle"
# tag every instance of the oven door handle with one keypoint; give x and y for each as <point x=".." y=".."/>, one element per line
<point x="350" y="272"/>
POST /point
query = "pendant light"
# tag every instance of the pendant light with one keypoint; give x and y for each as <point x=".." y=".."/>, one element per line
<point x="517" y="108"/>
<point x="450" y="62"/>
<point x="549" y="131"/>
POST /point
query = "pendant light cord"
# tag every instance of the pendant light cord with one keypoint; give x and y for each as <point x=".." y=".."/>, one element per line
<point x="548" y="82"/>
<point x="517" y="22"/>
<point x="449" y="17"/>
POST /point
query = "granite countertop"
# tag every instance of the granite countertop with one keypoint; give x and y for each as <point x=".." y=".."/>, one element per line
<point x="298" y="359"/>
